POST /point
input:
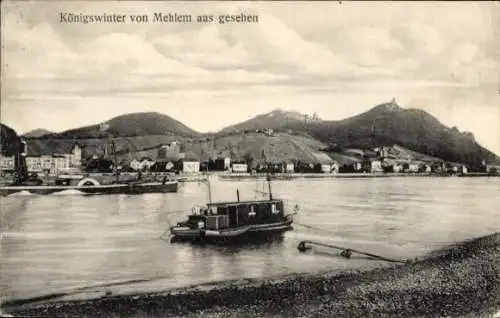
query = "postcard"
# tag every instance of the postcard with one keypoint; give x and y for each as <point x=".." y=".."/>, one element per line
<point x="250" y="159"/>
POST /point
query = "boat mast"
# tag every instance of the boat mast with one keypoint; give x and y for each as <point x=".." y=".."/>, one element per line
<point x="115" y="161"/>
<point x="263" y="157"/>
<point x="269" y="185"/>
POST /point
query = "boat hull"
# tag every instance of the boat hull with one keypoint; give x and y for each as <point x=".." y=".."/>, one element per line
<point x="244" y="234"/>
<point x="131" y="188"/>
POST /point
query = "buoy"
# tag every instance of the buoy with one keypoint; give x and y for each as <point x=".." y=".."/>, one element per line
<point x="302" y="247"/>
<point x="346" y="253"/>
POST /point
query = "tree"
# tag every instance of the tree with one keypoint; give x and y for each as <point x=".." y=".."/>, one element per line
<point x="248" y="159"/>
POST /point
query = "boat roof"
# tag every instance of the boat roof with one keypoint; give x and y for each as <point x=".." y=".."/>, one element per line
<point x="244" y="202"/>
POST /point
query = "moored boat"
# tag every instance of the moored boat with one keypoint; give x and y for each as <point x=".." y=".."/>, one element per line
<point x="120" y="188"/>
<point x="234" y="221"/>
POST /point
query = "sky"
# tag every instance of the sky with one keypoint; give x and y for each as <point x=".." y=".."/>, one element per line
<point x="330" y="58"/>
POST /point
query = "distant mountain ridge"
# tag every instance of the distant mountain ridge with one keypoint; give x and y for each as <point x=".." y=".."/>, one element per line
<point x="129" y="125"/>
<point x="414" y="129"/>
<point x="386" y="124"/>
<point x="383" y="125"/>
<point x="276" y="119"/>
<point x="37" y="133"/>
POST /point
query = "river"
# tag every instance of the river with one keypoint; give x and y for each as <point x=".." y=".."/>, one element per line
<point x="66" y="241"/>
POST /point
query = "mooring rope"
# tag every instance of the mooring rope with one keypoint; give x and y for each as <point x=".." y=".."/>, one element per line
<point x="346" y="252"/>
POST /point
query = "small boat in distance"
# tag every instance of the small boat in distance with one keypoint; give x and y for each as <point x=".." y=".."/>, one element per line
<point x="119" y="188"/>
<point x="235" y="221"/>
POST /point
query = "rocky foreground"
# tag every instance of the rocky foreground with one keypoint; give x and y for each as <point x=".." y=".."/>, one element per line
<point x="463" y="280"/>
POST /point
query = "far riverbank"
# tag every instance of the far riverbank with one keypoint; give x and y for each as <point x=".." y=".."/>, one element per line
<point x="285" y="176"/>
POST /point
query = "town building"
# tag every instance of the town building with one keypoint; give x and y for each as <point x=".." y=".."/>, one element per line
<point x="227" y="163"/>
<point x="67" y="156"/>
<point x="171" y="151"/>
<point x="190" y="163"/>
<point x="239" y="167"/>
<point x="376" y="166"/>
<point x="334" y="167"/>
<point x="493" y="169"/>
<point x="190" y="166"/>
<point x="6" y="163"/>
<point x="324" y="161"/>
<point x="413" y="167"/>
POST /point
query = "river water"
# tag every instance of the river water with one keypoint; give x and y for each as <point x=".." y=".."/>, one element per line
<point x="66" y="241"/>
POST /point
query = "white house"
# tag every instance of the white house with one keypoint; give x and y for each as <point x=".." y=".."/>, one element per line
<point x="74" y="156"/>
<point x="52" y="164"/>
<point x="326" y="167"/>
<point x="6" y="163"/>
<point x="46" y="162"/>
<point x="146" y="164"/>
<point x="239" y="167"/>
<point x="59" y="163"/>
<point x="413" y="167"/>
<point x="357" y="166"/>
<point x="55" y="163"/>
<point x="135" y="164"/>
<point x="227" y="163"/>
<point x="34" y="164"/>
<point x="190" y="166"/>
<point x="290" y="168"/>
<point x="397" y="168"/>
<point x="335" y="168"/>
<point x="376" y="166"/>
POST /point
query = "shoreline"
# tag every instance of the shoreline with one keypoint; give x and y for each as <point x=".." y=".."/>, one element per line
<point x="290" y="176"/>
<point x="202" y="176"/>
<point x="462" y="280"/>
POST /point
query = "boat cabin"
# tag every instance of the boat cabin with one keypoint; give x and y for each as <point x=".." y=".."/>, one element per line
<point x="235" y="214"/>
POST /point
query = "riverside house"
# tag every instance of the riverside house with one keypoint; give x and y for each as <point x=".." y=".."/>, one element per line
<point x="41" y="159"/>
<point x="239" y="167"/>
<point x="190" y="163"/>
<point x="6" y="163"/>
<point x="324" y="161"/>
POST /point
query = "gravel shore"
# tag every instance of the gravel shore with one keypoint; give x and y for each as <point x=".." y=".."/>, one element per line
<point x="463" y="280"/>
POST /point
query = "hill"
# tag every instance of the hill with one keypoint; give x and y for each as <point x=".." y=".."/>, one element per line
<point x="278" y="119"/>
<point x="35" y="133"/>
<point x="129" y="125"/>
<point x="247" y="147"/>
<point x="414" y="129"/>
<point x="418" y="134"/>
<point x="384" y="125"/>
<point x="10" y="141"/>
<point x="97" y="146"/>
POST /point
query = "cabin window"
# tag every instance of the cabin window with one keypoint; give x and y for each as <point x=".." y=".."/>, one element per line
<point x="222" y="210"/>
<point x="252" y="211"/>
<point x="273" y="209"/>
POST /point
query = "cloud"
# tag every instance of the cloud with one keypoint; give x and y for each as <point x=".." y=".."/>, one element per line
<point x="204" y="47"/>
<point x="119" y="62"/>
